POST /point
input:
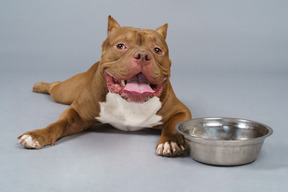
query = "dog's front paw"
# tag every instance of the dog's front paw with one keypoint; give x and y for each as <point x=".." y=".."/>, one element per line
<point x="171" y="145"/>
<point x="28" y="142"/>
<point x="171" y="149"/>
<point x="34" y="140"/>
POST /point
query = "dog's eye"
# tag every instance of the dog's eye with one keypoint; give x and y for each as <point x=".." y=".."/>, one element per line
<point x="121" y="46"/>
<point x="158" y="51"/>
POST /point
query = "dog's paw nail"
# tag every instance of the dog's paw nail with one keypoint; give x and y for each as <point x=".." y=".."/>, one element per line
<point x="160" y="149"/>
<point x="167" y="149"/>
<point x="175" y="148"/>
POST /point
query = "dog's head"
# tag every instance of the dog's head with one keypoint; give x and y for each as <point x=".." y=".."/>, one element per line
<point x="135" y="62"/>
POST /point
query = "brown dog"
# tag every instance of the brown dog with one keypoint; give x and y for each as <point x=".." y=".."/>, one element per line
<point x="129" y="89"/>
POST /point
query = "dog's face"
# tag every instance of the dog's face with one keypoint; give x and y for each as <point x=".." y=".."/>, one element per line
<point x="135" y="62"/>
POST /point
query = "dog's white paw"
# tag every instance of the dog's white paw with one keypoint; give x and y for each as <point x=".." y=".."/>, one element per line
<point x="28" y="142"/>
<point x="170" y="149"/>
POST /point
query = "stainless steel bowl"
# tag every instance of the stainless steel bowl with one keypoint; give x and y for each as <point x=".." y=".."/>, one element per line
<point x="224" y="141"/>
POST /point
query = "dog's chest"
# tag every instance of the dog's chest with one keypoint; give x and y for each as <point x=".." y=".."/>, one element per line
<point x="129" y="116"/>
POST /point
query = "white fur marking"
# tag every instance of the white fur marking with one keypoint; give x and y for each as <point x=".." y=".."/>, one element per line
<point x="24" y="137"/>
<point x="28" y="140"/>
<point x="129" y="116"/>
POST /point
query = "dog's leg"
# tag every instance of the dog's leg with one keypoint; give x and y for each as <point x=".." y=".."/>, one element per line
<point x="43" y="87"/>
<point x="171" y="143"/>
<point x="69" y="123"/>
<point x="67" y="91"/>
<point x="63" y="92"/>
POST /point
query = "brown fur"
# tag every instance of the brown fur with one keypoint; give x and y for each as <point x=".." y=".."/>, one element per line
<point x="84" y="91"/>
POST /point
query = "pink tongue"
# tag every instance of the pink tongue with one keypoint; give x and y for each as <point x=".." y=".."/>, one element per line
<point x="138" y="84"/>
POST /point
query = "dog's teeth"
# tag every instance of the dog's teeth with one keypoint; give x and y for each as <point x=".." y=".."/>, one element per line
<point x="123" y="82"/>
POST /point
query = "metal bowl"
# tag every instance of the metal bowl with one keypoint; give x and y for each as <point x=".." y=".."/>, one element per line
<point x="224" y="141"/>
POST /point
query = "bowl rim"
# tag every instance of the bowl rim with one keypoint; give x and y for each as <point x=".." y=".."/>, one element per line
<point x="221" y="142"/>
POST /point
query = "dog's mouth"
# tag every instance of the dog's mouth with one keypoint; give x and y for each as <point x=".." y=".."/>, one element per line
<point x="136" y="89"/>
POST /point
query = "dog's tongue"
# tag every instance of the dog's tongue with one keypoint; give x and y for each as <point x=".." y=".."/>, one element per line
<point x="138" y="85"/>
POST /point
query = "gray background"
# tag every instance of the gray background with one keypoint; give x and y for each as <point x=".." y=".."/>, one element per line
<point x="229" y="59"/>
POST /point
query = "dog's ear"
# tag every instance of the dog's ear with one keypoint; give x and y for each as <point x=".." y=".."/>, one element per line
<point x="163" y="30"/>
<point x="112" y="24"/>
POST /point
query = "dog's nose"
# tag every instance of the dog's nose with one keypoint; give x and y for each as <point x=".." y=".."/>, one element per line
<point x="142" y="57"/>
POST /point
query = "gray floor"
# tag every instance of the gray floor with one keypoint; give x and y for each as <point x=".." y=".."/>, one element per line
<point x="229" y="59"/>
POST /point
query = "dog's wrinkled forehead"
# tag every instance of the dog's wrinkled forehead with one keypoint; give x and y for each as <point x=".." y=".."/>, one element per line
<point x="137" y="36"/>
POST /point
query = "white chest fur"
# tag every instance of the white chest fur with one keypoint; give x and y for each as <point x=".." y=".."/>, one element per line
<point x="129" y="116"/>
